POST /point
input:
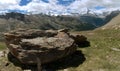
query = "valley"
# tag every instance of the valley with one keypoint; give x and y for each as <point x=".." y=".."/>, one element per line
<point x="59" y="35"/>
<point x="103" y="54"/>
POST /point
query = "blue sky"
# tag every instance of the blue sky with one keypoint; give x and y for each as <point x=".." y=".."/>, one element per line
<point x="99" y="7"/>
<point x="60" y="2"/>
<point x="58" y="6"/>
<point x="47" y="1"/>
<point x="65" y="2"/>
<point x="24" y="2"/>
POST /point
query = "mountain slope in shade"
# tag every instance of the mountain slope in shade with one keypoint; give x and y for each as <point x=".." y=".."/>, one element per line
<point x="113" y="24"/>
<point x="88" y="21"/>
<point x="13" y="21"/>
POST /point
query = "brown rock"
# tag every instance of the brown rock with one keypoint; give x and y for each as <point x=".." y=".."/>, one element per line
<point x="30" y="45"/>
<point x="49" y="45"/>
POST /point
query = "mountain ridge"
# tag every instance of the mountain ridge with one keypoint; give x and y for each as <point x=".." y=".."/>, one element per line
<point x="88" y="21"/>
<point x="113" y="24"/>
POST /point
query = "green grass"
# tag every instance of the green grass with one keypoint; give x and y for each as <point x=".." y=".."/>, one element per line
<point x="104" y="52"/>
<point x="10" y="67"/>
<point x="2" y="46"/>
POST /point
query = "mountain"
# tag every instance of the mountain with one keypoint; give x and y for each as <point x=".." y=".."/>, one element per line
<point x="96" y="19"/>
<point x="111" y="15"/>
<point x="81" y="22"/>
<point x="113" y="24"/>
<point x="92" y="19"/>
<point x="11" y="21"/>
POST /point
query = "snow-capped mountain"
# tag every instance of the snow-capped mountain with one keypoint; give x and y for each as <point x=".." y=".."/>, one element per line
<point x="86" y="21"/>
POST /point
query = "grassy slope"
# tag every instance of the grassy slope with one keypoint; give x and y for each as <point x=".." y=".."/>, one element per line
<point x="104" y="52"/>
<point x="114" y="23"/>
<point x="2" y="46"/>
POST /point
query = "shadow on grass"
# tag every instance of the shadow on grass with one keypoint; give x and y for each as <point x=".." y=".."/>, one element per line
<point x="13" y="59"/>
<point x="83" y="44"/>
<point x="73" y="60"/>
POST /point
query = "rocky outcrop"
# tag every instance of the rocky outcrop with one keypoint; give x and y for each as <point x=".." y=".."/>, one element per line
<point x="29" y="45"/>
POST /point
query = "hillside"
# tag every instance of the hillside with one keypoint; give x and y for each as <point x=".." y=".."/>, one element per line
<point x="13" y="20"/>
<point x="103" y="54"/>
<point x="113" y="24"/>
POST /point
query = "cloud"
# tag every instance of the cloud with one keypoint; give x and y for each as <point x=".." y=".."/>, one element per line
<point x="55" y="7"/>
<point x="107" y="5"/>
<point x="37" y="6"/>
<point x="8" y="4"/>
<point x="9" y="1"/>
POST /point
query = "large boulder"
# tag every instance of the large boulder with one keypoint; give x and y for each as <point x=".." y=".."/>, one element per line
<point x="47" y="45"/>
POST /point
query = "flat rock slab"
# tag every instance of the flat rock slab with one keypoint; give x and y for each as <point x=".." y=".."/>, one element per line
<point x="47" y="45"/>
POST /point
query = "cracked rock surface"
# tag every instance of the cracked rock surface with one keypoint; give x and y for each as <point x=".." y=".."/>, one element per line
<point x="47" y="45"/>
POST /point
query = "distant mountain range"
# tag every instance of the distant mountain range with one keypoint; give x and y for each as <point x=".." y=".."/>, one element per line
<point x="78" y="22"/>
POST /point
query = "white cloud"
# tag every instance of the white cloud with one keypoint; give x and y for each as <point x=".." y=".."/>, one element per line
<point x="82" y="5"/>
<point x="9" y="1"/>
<point x="9" y="4"/>
<point x="38" y="6"/>
<point x="78" y="6"/>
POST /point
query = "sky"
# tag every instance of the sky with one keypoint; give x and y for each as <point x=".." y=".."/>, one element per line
<point x="58" y="6"/>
